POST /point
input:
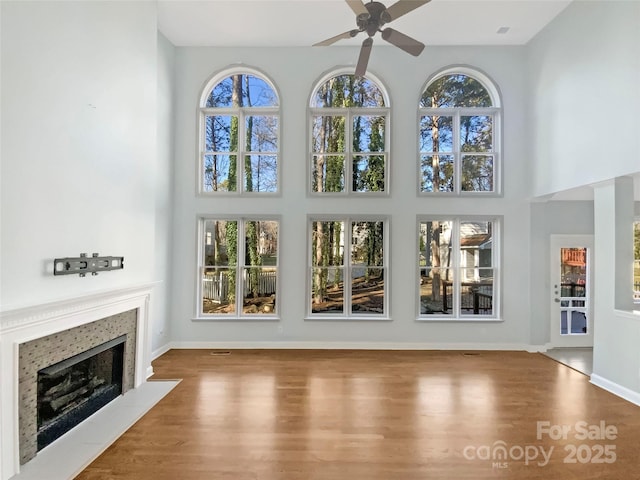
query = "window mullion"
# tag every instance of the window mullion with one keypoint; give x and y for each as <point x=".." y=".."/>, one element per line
<point x="240" y="184"/>
<point x="240" y="266"/>
<point x="457" y="273"/>
<point x="348" y="152"/>
<point x="457" y="154"/>
<point x="346" y="265"/>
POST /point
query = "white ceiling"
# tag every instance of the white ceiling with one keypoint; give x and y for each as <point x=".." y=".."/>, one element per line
<point x="279" y="23"/>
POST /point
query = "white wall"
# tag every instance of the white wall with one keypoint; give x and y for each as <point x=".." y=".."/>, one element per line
<point x="79" y="170"/>
<point x="584" y="72"/>
<point x="295" y="71"/>
<point x="160" y="324"/>
<point x="616" y="357"/>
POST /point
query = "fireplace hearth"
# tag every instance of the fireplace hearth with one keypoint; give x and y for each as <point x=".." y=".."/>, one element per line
<point x="72" y="390"/>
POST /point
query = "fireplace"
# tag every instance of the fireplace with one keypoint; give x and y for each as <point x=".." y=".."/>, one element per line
<point x="72" y="390"/>
<point x="40" y="360"/>
<point x="35" y="337"/>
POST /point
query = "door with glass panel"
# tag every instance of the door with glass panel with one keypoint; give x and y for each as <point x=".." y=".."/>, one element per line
<point x="571" y="295"/>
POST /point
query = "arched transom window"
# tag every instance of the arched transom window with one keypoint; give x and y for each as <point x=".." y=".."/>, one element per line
<point x="239" y="135"/>
<point x="459" y="132"/>
<point x="349" y="136"/>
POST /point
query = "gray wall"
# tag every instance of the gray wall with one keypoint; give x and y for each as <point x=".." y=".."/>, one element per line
<point x="295" y="72"/>
<point x="551" y="218"/>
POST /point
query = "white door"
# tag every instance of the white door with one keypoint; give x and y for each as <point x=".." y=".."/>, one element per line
<point x="571" y="291"/>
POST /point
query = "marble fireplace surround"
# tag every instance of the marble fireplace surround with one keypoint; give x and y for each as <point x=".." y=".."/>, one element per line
<point x="27" y="324"/>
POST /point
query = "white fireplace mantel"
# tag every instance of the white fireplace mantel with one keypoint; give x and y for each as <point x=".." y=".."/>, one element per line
<point x="26" y="324"/>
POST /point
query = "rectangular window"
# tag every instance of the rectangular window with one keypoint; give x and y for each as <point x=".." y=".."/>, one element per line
<point x="457" y="152"/>
<point x="348" y="268"/>
<point x="348" y="152"/>
<point x="458" y="263"/>
<point x="238" y="278"/>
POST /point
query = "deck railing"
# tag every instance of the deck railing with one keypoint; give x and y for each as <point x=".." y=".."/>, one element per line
<point x="472" y="297"/>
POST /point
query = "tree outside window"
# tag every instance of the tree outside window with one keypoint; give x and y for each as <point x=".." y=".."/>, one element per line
<point x="458" y="122"/>
<point x="349" y="137"/>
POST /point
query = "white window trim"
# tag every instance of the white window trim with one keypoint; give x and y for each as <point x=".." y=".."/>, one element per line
<point x="495" y="112"/>
<point x="242" y="113"/>
<point x="349" y="113"/>
<point x="237" y="316"/>
<point x="496" y="261"/>
<point x="636" y="300"/>
<point x="347" y="315"/>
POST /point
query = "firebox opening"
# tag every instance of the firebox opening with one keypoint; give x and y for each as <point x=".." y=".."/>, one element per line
<point x="72" y="390"/>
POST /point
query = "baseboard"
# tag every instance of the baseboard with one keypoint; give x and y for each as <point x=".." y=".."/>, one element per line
<point x="161" y="351"/>
<point x="301" y="345"/>
<point x="612" y="387"/>
<point x="538" y="348"/>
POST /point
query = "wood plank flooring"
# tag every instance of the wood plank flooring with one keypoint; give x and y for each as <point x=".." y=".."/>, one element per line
<point x="374" y="415"/>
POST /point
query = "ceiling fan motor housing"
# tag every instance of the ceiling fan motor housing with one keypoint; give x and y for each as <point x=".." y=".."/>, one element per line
<point x="374" y="20"/>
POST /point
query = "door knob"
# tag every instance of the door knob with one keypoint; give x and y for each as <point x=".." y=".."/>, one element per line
<point x="557" y="300"/>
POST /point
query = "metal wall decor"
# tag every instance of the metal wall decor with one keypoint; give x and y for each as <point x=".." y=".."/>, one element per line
<point x="82" y="265"/>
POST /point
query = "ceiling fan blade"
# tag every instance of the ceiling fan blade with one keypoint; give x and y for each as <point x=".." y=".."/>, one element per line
<point x="363" y="58"/>
<point x="357" y="6"/>
<point x="405" y="42"/>
<point x="402" y="7"/>
<point x="332" y="40"/>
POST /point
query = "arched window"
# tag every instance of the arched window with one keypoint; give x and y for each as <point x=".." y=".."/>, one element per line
<point x="349" y="136"/>
<point x="459" y="134"/>
<point x="239" y="134"/>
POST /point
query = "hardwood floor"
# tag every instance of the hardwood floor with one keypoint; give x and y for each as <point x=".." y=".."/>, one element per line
<point x="374" y="415"/>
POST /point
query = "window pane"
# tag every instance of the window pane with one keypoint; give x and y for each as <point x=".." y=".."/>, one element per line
<point x="348" y="91"/>
<point x="367" y="290"/>
<point x="221" y="133"/>
<point x="261" y="173"/>
<point x="218" y="291"/>
<point x="260" y="272"/>
<point x="455" y="90"/>
<point x="368" y="133"/>
<point x="242" y="91"/>
<point x="328" y="173"/>
<point x="477" y="173"/>
<point x="329" y="134"/>
<point x="436" y="279"/>
<point x="327" y="243"/>
<point x="367" y="247"/>
<point x="219" y="243"/>
<point x="436" y="291"/>
<point x="219" y="173"/>
<point x="437" y="173"/>
<point x="368" y="173"/>
<point x="476" y="133"/>
<point x="327" y="293"/>
<point x="476" y="244"/>
<point x="327" y="256"/>
<point x="476" y="292"/>
<point x="262" y="133"/>
<point x="259" y="296"/>
<point x="435" y="243"/>
<point x="436" y="134"/>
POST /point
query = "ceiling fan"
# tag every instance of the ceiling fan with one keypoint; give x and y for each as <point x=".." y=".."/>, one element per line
<point x="370" y="18"/>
